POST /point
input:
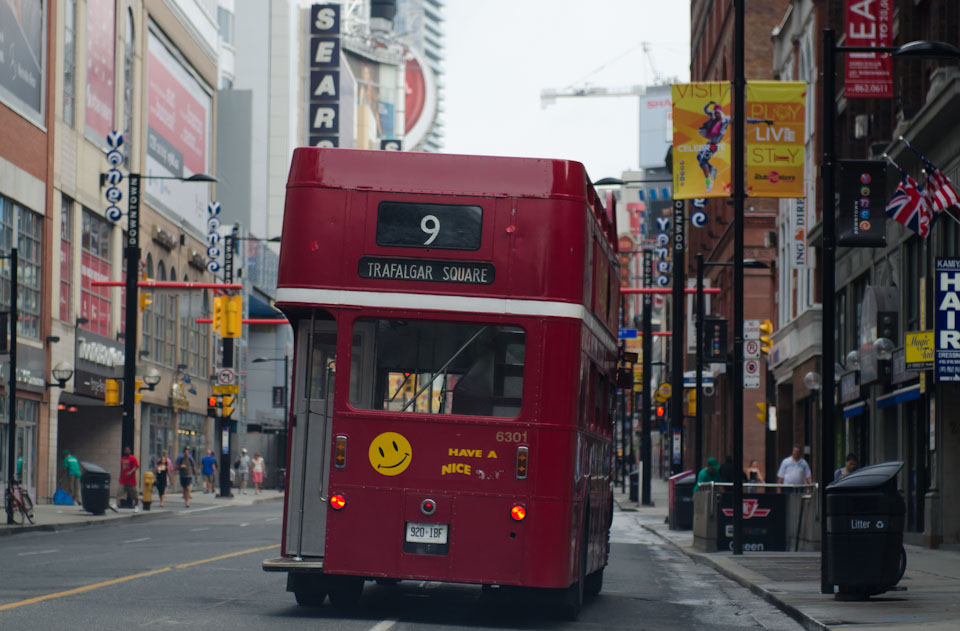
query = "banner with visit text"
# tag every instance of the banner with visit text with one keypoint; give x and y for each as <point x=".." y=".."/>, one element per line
<point x="701" y="140"/>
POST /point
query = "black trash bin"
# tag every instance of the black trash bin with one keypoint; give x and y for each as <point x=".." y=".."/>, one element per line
<point x="865" y="516"/>
<point x="94" y="488"/>
<point x="680" y="510"/>
<point x="635" y="486"/>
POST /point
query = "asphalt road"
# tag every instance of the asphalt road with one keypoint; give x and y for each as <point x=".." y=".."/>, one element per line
<point x="201" y="570"/>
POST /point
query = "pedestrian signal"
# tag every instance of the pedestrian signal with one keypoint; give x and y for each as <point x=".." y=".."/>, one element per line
<point x="660" y="411"/>
<point x="111" y="395"/>
<point x="762" y="413"/>
<point x="212" y="406"/>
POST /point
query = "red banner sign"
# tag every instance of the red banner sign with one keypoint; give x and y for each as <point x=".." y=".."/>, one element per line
<point x="868" y="75"/>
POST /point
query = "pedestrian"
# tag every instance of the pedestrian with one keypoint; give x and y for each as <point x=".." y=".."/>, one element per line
<point x="233" y="473"/>
<point x="709" y="473"/>
<point x="243" y="471"/>
<point x="754" y="476"/>
<point x="794" y="470"/>
<point x="188" y="471"/>
<point x="209" y="465"/>
<point x="71" y="470"/>
<point x="129" y="465"/>
<point x="851" y="466"/>
<point x="162" y="468"/>
<point x="257" y="469"/>
<point x="728" y="471"/>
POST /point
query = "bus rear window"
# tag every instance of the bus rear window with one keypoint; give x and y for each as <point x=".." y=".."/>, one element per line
<point x="433" y="367"/>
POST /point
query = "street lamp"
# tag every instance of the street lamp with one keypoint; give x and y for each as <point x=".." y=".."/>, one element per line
<point x="151" y="379"/>
<point x="828" y="267"/>
<point x="62" y="373"/>
<point x="131" y="254"/>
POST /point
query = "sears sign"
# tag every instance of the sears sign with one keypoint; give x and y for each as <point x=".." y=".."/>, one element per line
<point x="947" y="355"/>
<point x="323" y="125"/>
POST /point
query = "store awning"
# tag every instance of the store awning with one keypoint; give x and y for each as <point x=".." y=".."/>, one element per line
<point x="854" y="409"/>
<point x="899" y="396"/>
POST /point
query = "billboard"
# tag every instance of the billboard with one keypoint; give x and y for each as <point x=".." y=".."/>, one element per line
<point x="656" y="127"/>
<point x="22" y="56"/>
<point x="868" y="75"/>
<point x="179" y="121"/>
<point x="701" y="144"/>
<point x="101" y="68"/>
<point x="378" y="85"/>
<point x="776" y="113"/>
<point x="947" y="333"/>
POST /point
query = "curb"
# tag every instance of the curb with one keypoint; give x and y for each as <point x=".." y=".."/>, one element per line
<point x="808" y="622"/>
<point x="100" y="521"/>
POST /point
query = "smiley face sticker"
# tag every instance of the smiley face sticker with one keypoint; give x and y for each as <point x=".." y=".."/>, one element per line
<point x="390" y="453"/>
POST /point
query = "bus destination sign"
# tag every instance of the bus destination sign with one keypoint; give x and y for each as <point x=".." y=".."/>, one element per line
<point x="464" y="272"/>
<point x="434" y="226"/>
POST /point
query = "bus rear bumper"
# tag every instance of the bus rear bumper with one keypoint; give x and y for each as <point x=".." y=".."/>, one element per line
<point x="291" y="564"/>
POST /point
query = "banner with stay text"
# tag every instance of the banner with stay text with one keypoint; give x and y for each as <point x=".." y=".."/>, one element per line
<point x="776" y="113"/>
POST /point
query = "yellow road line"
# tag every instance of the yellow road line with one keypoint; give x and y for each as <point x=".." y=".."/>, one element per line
<point x="124" y="579"/>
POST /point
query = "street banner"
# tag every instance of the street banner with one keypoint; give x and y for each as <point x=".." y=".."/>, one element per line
<point x="862" y="221"/>
<point x="776" y="113"/>
<point x="947" y="350"/>
<point x="868" y="75"/>
<point x="701" y="144"/>
<point x="919" y="350"/>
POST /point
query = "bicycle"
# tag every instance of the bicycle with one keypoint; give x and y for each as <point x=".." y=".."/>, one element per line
<point x="17" y="502"/>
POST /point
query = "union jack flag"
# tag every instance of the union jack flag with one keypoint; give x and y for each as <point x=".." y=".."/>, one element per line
<point x="909" y="206"/>
<point x="940" y="193"/>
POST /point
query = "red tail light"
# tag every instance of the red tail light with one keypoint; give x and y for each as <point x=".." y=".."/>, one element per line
<point x="337" y="502"/>
<point x="518" y="512"/>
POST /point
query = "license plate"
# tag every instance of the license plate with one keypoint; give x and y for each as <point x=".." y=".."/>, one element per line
<point x="426" y="533"/>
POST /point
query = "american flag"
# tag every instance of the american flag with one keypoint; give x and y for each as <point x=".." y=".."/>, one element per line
<point x="909" y="206"/>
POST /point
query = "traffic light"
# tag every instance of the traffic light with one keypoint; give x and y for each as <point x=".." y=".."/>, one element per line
<point x="145" y="301"/>
<point x="762" y="413"/>
<point x="111" y="395"/>
<point x="226" y="407"/>
<point x="233" y="322"/>
<point x="212" y="406"/>
<point x="766" y="330"/>
<point x="219" y="314"/>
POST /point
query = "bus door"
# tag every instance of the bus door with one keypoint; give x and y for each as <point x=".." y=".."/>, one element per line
<point x="313" y="417"/>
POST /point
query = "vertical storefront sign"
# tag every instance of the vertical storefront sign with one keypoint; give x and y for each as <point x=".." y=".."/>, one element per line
<point x="101" y="68"/>
<point x="862" y="221"/>
<point x="776" y="114"/>
<point x="701" y="140"/>
<point x="868" y="75"/>
<point x="179" y="122"/>
<point x="22" y="56"/>
<point x="798" y="232"/>
<point x="323" y="123"/>
<point x="947" y="332"/>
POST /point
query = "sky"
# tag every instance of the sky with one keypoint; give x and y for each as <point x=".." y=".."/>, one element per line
<point x="501" y="53"/>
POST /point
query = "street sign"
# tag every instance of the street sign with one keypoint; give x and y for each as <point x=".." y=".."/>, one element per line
<point x="751" y="349"/>
<point x="226" y="376"/>
<point x="751" y="374"/>
<point x="231" y="389"/>
<point x="627" y="334"/>
<point x="751" y="329"/>
<point x="690" y="379"/>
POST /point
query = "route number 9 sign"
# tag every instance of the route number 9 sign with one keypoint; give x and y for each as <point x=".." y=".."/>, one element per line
<point x="435" y="226"/>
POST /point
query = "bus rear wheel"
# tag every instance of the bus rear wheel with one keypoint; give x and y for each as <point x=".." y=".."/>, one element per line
<point x="594" y="583"/>
<point x="345" y="591"/>
<point x="572" y="601"/>
<point x="308" y="590"/>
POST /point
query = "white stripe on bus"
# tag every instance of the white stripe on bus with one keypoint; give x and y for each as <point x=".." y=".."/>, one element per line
<point x="433" y="302"/>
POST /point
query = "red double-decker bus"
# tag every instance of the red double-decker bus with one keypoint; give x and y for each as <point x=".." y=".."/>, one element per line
<point x="455" y="370"/>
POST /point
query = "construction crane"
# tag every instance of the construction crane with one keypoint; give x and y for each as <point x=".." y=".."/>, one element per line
<point x="549" y="96"/>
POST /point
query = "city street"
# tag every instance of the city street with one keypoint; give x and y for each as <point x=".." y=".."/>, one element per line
<point x="201" y="569"/>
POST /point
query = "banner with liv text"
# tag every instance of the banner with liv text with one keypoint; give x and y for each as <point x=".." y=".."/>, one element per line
<point x="947" y="333"/>
<point x="701" y="140"/>
<point x="776" y="115"/>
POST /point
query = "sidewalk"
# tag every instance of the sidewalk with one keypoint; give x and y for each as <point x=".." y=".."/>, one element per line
<point x="52" y="517"/>
<point x="791" y="580"/>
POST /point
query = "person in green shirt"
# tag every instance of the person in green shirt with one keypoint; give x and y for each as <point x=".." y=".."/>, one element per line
<point x="709" y="473"/>
<point x="71" y="467"/>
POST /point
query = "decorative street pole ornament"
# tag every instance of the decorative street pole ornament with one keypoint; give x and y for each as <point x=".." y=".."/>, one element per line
<point x="698" y="219"/>
<point x="213" y="236"/>
<point x="114" y="176"/>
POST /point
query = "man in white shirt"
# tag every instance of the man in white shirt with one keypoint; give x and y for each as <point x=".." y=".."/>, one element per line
<point x="794" y="470"/>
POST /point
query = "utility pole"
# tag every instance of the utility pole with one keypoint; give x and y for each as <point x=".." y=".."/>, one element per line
<point x="645" y="449"/>
<point x="676" y="342"/>
<point x="739" y="120"/>
<point x="223" y="424"/>
<point x="12" y="384"/>
<point x="131" y="255"/>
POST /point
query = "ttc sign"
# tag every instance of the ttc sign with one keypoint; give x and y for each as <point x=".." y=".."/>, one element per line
<point x="947" y="334"/>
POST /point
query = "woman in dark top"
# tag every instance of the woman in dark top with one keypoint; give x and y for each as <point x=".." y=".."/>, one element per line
<point x="162" y="469"/>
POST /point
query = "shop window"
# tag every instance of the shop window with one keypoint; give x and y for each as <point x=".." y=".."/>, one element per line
<point x="95" y="265"/>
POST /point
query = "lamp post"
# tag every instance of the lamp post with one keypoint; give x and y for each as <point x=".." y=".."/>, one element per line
<point x="131" y="255"/>
<point x="829" y="247"/>
<point x="286" y="398"/>
<point x="12" y="386"/>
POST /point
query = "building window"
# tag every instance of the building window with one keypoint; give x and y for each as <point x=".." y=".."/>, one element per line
<point x="95" y="265"/>
<point x="159" y="311"/>
<point x="28" y="414"/>
<point x="69" y="60"/>
<point x="170" y="353"/>
<point x="66" y="253"/>
<point x="225" y="21"/>
<point x="29" y="259"/>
